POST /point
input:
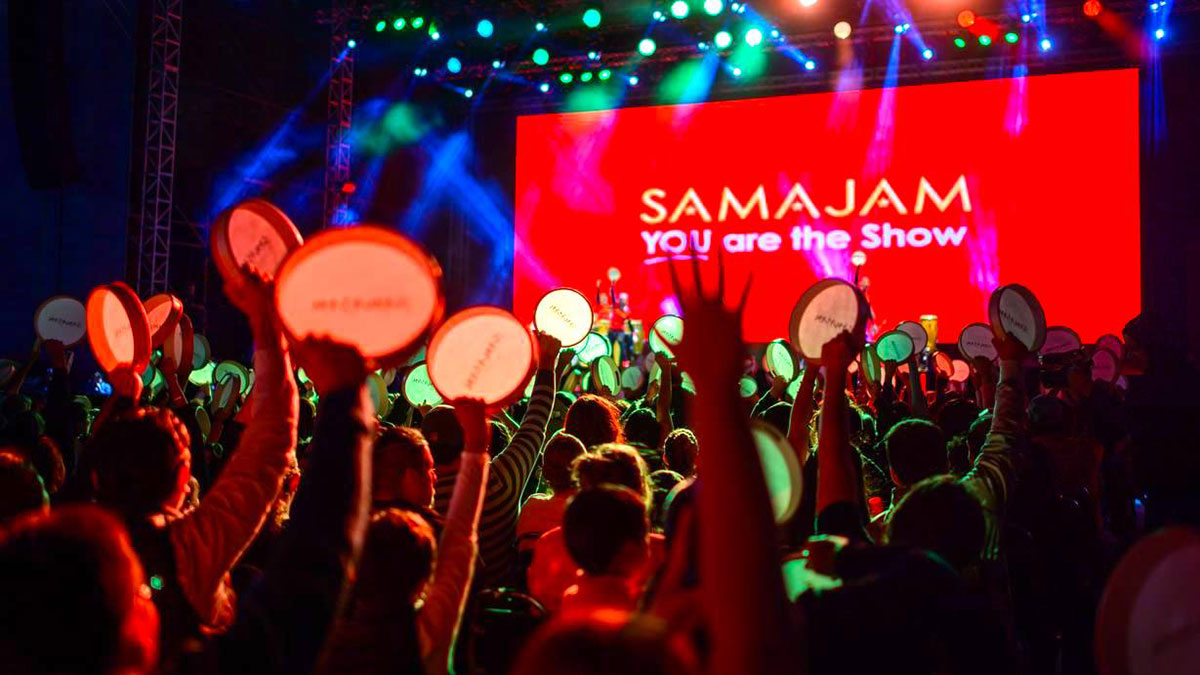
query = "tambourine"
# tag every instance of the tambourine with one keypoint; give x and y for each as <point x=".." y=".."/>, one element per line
<point x="593" y="347"/>
<point x="895" y="346"/>
<point x="962" y="371"/>
<point x="943" y="364"/>
<point x="225" y="392"/>
<point x="61" y="318"/>
<point x="181" y="345"/>
<point x="163" y="312"/>
<point x="377" y="389"/>
<point x="1112" y="343"/>
<point x="564" y="314"/>
<point x="828" y="308"/>
<point x="483" y="353"/>
<point x="236" y="370"/>
<point x="781" y="469"/>
<point x="1060" y="340"/>
<point x="201" y="351"/>
<point x="1105" y="365"/>
<point x="666" y="334"/>
<point x="117" y="328"/>
<point x="632" y="378"/>
<point x="975" y="341"/>
<point x="418" y="390"/>
<point x="605" y="375"/>
<point x="202" y="376"/>
<point x="363" y="286"/>
<point x="255" y="233"/>
<point x="780" y="361"/>
<point x="747" y="387"/>
<point x="1014" y="309"/>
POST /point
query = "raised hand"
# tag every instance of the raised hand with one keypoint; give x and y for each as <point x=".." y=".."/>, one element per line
<point x="838" y="353"/>
<point x="718" y="348"/>
<point x="472" y="416"/>
<point x="126" y="383"/>
<point x="548" y="349"/>
<point x="1009" y="348"/>
<point x="331" y="365"/>
<point x="252" y="293"/>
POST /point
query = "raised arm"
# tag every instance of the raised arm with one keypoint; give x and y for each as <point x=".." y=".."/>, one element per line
<point x="802" y="409"/>
<point x="916" y="393"/>
<point x="516" y="462"/>
<point x="837" y="481"/>
<point x="666" y="393"/>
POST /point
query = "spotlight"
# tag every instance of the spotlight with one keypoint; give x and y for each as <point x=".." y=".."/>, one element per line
<point x="544" y="87"/>
<point x="352" y="43"/>
<point x="714" y="7"/>
<point x="566" y="78"/>
<point x="722" y="39"/>
<point x="647" y="47"/>
<point x="497" y="64"/>
<point x="702" y="46"/>
<point x="633" y="80"/>
<point x="586" y="77"/>
<point x="380" y="26"/>
<point x="658" y="16"/>
<point x="960" y="43"/>
<point x="1046" y="45"/>
<point x="593" y="56"/>
<point x="966" y="18"/>
<point x="810" y="65"/>
<point x="418" y="22"/>
<point x="454" y="65"/>
<point x="540" y="27"/>
<point x="591" y="18"/>
<point x="753" y="37"/>
<point x="1160" y="34"/>
<point x="985" y="40"/>
<point x="807" y="3"/>
<point x="399" y="24"/>
<point x="774" y="33"/>
<point x="1026" y="18"/>
<point x="485" y="28"/>
<point x="468" y="93"/>
<point x="927" y="54"/>
<point x="605" y="74"/>
<point x="434" y="35"/>
<point x="737" y="72"/>
<point x="842" y="30"/>
<point x="1011" y="38"/>
<point x="541" y="56"/>
<point x="1092" y="8"/>
<point x="680" y="9"/>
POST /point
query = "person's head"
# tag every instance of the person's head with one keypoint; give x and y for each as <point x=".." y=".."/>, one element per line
<point x="594" y="421"/>
<point x="606" y="530"/>
<point x="956" y="415"/>
<point x="1047" y="416"/>
<point x="441" y="429"/>
<point x="402" y="467"/>
<point x="778" y="416"/>
<point x="916" y="449"/>
<point x="681" y="449"/>
<point x="74" y="596"/>
<point x="398" y="556"/>
<point x="561" y="452"/>
<point x="642" y="428"/>
<point x="21" y="488"/>
<point x="662" y="483"/>
<point x="940" y="514"/>
<point x="142" y="462"/>
<point x="46" y="458"/>
<point x="613" y="464"/>
<point x="603" y="642"/>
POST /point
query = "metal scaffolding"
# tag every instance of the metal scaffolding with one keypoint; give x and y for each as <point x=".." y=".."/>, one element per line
<point x="158" y="177"/>
<point x="340" y="110"/>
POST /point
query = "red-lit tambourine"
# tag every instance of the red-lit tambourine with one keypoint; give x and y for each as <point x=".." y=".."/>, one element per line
<point x="417" y="389"/>
<point x="117" y="328"/>
<point x="61" y="318"/>
<point x="975" y="341"/>
<point x="1015" y="309"/>
<point x="1150" y="607"/>
<point x="666" y="334"/>
<point x="826" y="309"/>
<point x="962" y="371"/>
<point x="1060" y="340"/>
<point x="894" y="346"/>
<point x="181" y="346"/>
<point x="255" y="233"/>
<point x="943" y="364"/>
<point x="163" y="312"/>
<point x="915" y="331"/>
<point x="1105" y="365"/>
<point x="564" y="314"/>
<point x="781" y="469"/>
<point x="1112" y="343"/>
<point x="483" y="353"/>
<point x="363" y="286"/>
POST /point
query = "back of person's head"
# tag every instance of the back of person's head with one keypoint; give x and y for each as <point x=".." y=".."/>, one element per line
<point x="398" y="556"/>
<point x="74" y="599"/>
<point x="594" y="421"/>
<point x="662" y="482"/>
<point x="613" y="464"/>
<point x="402" y="467"/>
<point x="681" y="450"/>
<point x="1047" y="416"/>
<point x="604" y="642"/>
<point x="955" y="416"/>
<point x="142" y="462"/>
<point x="940" y="514"/>
<point x="642" y="428"/>
<point x="561" y="452"/>
<point x="778" y="416"/>
<point x="440" y="427"/>
<point x="604" y="528"/>
<point x="916" y="449"/>
<point x="46" y="458"/>
<point x="21" y="488"/>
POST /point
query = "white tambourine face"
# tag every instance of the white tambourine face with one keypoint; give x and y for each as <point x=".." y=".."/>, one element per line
<point x="486" y="355"/>
<point x="1017" y="317"/>
<point x="832" y="311"/>
<point x="253" y="240"/>
<point x="564" y="314"/>
<point x="63" y="319"/>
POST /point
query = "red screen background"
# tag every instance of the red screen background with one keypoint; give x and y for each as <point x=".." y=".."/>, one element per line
<point x="1050" y="165"/>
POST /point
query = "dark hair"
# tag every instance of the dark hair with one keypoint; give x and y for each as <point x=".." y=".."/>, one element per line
<point x="46" y="458"/>
<point x="138" y="459"/>
<point x="615" y="464"/>
<point x="916" y="449"/>
<point x="941" y="515"/>
<point x="599" y="522"/>
<point x="779" y="416"/>
<point x="441" y="429"/>
<point x="561" y="452"/>
<point x="680" y="451"/>
<point x="663" y="481"/>
<point x="398" y="556"/>
<point x="72" y="575"/>
<point x="395" y="451"/>
<point x="594" y="421"/>
<point x="21" y="489"/>
<point x="642" y="428"/>
<point x="955" y="416"/>
<point x="604" y="642"/>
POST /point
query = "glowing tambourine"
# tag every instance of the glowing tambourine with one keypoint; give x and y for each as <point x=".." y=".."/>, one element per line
<point x="605" y="375"/>
<point x="915" y="331"/>
<point x="975" y="341"/>
<point x="781" y="469"/>
<point x="1060" y="340"/>
<point x="61" y="318"/>
<point x="895" y="346"/>
<point x="564" y="314"/>
<point x="163" y="312"/>
<point x="828" y="308"/>
<point x="364" y="286"/>
<point x="666" y="334"/>
<point x="417" y="389"/>
<point x="1014" y="309"/>
<point x="1105" y="365"/>
<point x="1112" y="343"/>
<point x="117" y="328"/>
<point x="256" y="233"/>
<point x="632" y="378"/>
<point x="780" y="361"/>
<point x="180" y="347"/>
<point x="483" y="353"/>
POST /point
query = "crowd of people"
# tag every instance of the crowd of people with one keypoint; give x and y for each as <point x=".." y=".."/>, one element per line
<point x="956" y="530"/>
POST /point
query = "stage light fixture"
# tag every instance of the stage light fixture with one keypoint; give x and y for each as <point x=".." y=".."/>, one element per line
<point x="485" y="28"/>
<point x="714" y="7"/>
<point x="633" y="80"/>
<point x="842" y="30"/>
<point x="1026" y="18"/>
<point x="544" y="87"/>
<point x="1092" y="8"/>
<point x="434" y="34"/>
<point x="1046" y="45"/>
<point x="399" y="24"/>
<point x="586" y="77"/>
<point x="593" y="55"/>
<point x="1160" y="34"/>
<point x="810" y="65"/>
<point x="966" y="18"/>
<point x="454" y="65"/>
<point x="985" y="40"/>
<point x="722" y="39"/>
<point x="680" y="9"/>
<point x="541" y="56"/>
<point x="658" y="16"/>
<point x="702" y="46"/>
<point x="352" y="43"/>
<point x="592" y="18"/>
<point x="807" y="3"/>
<point x="737" y="72"/>
<point x="927" y="54"/>
<point x="1011" y="38"/>
<point x="605" y="74"/>
<point x="380" y="26"/>
<point x="647" y="47"/>
<point x="960" y="43"/>
<point x="418" y="22"/>
<point x="774" y="33"/>
<point x="497" y="64"/>
<point x="566" y="78"/>
<point x="468" y="93"/>
<point x="540" y="27"/>
<point x="753" y="37"/>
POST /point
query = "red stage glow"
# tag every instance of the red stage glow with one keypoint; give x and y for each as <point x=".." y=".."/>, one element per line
<point x="1092" y="8"/>
<point x="951" y="191"/>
